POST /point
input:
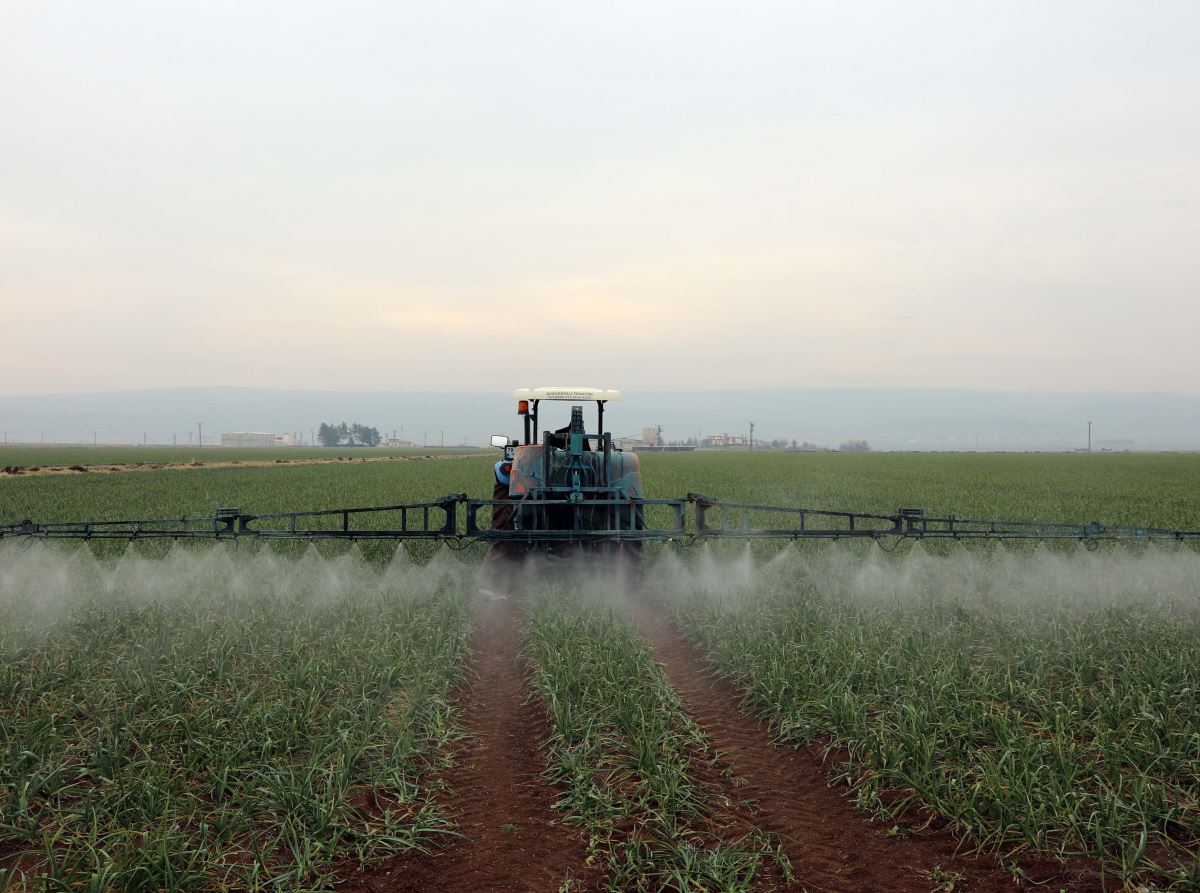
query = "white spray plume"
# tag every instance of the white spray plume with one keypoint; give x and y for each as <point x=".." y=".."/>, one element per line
<point x="1154" y="575"/>
<point x="42" y="583"/>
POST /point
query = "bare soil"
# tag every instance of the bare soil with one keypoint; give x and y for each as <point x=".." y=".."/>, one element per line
<point x="832" y="845"/>
<point x="512" y="839"/>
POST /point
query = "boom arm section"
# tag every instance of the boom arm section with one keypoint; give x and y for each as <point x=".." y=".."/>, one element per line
<point x="592" y="520"/>
<point x="415" y="520"/>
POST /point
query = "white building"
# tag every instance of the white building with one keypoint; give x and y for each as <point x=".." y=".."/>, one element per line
<point x="248" y="439"/>
<point x="725" y="440"/>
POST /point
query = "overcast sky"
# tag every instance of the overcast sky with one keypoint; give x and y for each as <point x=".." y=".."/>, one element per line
<point x="641" y="195"/>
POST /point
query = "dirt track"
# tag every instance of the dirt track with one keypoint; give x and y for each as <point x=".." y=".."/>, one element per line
<point x="512" y="841"/>
<point x="501" y="804"/>
<point x="832" y="846"/>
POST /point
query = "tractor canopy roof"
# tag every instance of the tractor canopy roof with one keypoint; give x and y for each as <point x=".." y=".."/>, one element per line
<point x="566" y="394"/>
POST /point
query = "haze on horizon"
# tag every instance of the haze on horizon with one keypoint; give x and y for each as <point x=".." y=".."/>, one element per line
<point x="660" y="195"/>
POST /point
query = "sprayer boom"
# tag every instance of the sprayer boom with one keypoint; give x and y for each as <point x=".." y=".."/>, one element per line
<point x="593" y="518"/>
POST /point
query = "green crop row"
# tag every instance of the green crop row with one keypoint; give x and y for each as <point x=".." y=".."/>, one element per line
<point x="1067" y="722"/>
<point x="627" y="755"/>
<point x="219" y="721"/>
<point x="198" y="492"/>
<point x="1146" y="489"/>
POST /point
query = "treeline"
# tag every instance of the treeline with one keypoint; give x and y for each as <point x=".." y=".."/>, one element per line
<point x="347" y="435"/>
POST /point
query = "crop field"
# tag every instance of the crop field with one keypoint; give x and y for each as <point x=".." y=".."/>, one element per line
<point x="30" y="456"/>
<point x="202" y="721"/>
<point x="17" y="461"/>
<point x="822" y="717"/>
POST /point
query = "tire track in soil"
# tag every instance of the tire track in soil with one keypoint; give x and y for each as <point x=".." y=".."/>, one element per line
<point x="832" y="845"/>
<point x="511" y="839"/>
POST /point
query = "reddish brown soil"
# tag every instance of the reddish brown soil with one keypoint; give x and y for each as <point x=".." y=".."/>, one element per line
<point x="511" y="839"/>
<point x="832" y="845"/>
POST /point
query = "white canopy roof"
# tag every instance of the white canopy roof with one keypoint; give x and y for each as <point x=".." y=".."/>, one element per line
<point x="576" y="394"/>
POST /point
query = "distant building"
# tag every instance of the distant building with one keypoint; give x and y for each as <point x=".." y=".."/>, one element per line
<point x="284" y="440"/>
<point x="248" y="439"/>
<point x="397" y="443"/>
<point x="650" y="436"/>
<point x="725" y="440"/>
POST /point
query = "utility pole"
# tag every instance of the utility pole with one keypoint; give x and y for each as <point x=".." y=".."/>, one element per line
<point x="977" y="441"/>
<point x="200" y="433"/>
<point x="1089" y="436"/>
<point x="443" y="437"/>
<point x="93" y="438"/>
<point x="143" y="438"/>
<point x="174" y="439"/>
<point x="751" y="444"/>
<point x="425" y="437"/>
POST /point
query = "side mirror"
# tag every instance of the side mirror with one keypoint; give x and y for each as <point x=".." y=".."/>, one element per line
<point x="500" y="441"/>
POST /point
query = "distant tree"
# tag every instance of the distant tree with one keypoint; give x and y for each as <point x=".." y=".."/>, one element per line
<point x="364" y="436"/>
<point x="347" y="435"/>
<point x="328" y="435"/>
<point x="855" y="446"/>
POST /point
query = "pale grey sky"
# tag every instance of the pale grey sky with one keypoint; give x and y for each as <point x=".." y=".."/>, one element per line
<point x="643" y="195"/>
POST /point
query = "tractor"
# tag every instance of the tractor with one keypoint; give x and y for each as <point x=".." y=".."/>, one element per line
<point x="567" y="490"/>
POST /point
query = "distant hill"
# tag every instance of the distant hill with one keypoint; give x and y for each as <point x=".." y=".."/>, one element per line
<point x="917" y="419"/>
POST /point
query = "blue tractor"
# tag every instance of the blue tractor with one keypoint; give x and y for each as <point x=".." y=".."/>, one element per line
<point x="563" y="493"/>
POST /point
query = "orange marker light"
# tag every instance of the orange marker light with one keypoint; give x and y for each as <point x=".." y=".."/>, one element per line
<point x="522" y="407"/>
